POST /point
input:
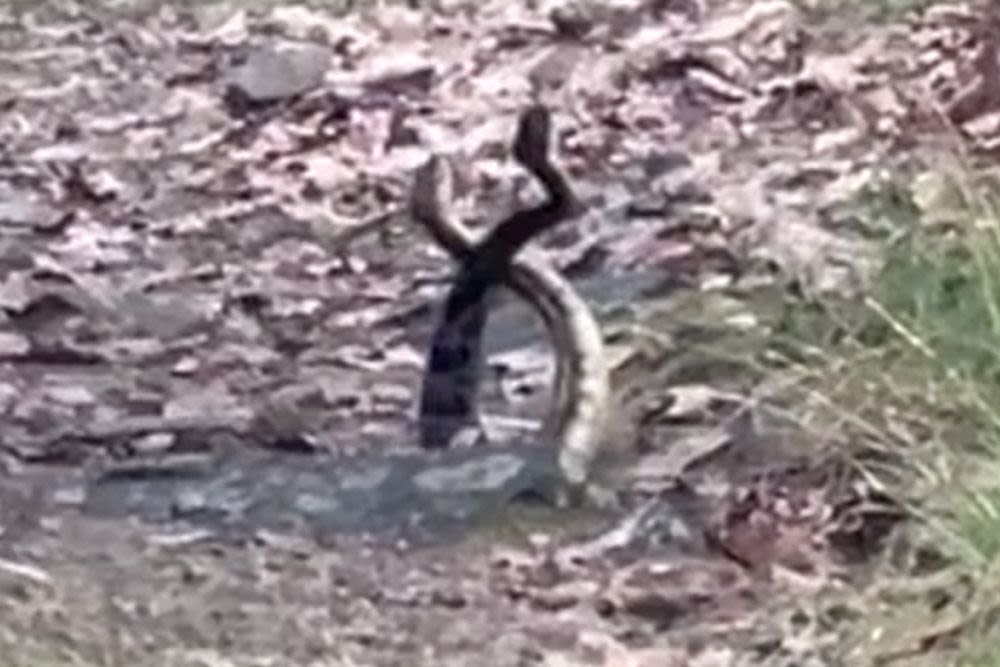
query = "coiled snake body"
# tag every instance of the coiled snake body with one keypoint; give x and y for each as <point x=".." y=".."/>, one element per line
<point x="455" y="359"/>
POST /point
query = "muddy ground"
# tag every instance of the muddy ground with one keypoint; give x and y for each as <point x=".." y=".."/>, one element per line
<point x="213" y="308"/>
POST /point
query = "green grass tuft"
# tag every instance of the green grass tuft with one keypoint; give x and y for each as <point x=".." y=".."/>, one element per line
<point x="906" y="382"/>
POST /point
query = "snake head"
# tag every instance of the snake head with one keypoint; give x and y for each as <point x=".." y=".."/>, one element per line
<point x="432" y="189"/>
<point x="531" y="143"/>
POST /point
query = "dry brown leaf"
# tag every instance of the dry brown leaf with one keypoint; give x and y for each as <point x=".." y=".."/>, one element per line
<point x="771" y="16"/>
<point x="982" y="94"/>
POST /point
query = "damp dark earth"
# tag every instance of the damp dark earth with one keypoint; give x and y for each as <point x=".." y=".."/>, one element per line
<point x="215" y="310"/>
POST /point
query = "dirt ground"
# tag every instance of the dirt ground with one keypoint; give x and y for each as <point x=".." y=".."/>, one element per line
<point x="202" y="222"/>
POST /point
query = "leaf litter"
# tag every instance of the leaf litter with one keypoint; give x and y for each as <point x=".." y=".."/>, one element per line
<point x="202" y="252"/>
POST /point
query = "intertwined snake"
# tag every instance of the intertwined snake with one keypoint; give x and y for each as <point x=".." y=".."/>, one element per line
<point x="455" y="359"/>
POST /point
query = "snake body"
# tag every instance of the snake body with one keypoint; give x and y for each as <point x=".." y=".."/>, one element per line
<point x="455" y="358"/>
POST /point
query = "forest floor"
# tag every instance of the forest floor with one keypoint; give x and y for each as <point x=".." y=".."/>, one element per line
<point x="203" y="225"/>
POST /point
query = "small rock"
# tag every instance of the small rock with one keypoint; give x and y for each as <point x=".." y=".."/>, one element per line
<point x="399" y="72"/>
<point x="187" y="502"/>
<point x="13" y="344"/>
<point x="278" y="72"/>
<point x="186" y="366"/>
<point x="70" y="395"/>
<point x="26" y="213"/>
<point x="73" y="496"/>
<point x="154" y="443"/>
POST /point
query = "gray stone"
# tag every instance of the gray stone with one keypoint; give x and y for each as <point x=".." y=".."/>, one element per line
<point x="276" y="72"/>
